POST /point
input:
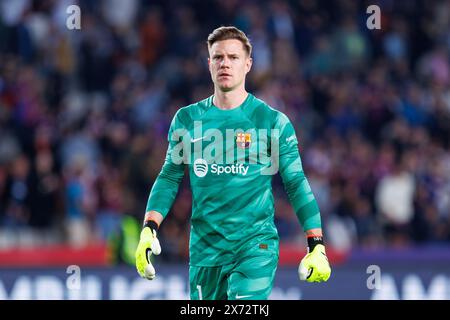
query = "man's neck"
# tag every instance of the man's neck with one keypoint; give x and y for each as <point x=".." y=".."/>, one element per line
<point x="229" y="100"/>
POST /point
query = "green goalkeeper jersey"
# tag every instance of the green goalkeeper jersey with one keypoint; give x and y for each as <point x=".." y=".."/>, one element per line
<point x="232" y="156"/>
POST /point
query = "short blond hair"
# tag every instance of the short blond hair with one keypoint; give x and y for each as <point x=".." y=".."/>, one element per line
<point x="226" y="33"/>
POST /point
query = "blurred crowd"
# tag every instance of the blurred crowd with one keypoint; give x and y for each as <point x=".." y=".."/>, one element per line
<point x="84" y="113"/>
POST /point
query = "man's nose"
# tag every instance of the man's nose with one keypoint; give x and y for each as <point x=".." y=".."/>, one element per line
<point x="225" y="63"/>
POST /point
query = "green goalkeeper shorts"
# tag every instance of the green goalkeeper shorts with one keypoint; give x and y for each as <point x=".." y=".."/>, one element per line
<point x="251" y="277"/>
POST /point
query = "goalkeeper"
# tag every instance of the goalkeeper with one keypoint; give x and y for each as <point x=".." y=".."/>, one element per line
<point x="233" y="239"/>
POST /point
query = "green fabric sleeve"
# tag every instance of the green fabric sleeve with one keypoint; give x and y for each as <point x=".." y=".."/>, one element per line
<point x="165" y="188"/>
<point x="295" y="182"/>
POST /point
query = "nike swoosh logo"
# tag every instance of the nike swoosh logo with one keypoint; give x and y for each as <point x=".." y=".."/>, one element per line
<point x="242" y="297"/>
<point x="198" y="139"/>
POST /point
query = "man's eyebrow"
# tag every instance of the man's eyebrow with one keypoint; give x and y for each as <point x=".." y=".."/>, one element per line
<point x="228" y="54"/>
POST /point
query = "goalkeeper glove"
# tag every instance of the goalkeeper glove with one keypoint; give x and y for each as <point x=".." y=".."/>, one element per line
<point x="315" y="267"/>
<point x="148" y="245"/>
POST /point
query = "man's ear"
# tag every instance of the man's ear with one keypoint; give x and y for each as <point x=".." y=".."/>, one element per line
<point x="248" y="64"/>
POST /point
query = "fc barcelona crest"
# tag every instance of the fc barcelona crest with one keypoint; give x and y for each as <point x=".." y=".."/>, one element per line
<point x="243" y="140"/>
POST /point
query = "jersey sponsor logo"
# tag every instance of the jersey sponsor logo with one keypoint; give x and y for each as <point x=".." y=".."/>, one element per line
<point x="229" y="169"/>
<point x="200" y="168"/>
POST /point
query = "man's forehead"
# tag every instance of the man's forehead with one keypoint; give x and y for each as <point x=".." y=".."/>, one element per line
<point x="227" y="46"/>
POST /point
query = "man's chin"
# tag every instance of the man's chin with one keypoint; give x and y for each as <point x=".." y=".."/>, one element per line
<point x="226" y="88"/>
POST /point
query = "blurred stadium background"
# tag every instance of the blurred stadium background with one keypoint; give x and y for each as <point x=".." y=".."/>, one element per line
<point x="84" y="116"/>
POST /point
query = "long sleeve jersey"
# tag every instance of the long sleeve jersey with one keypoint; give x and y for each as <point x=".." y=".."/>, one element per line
<point x="232" y="156"/>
